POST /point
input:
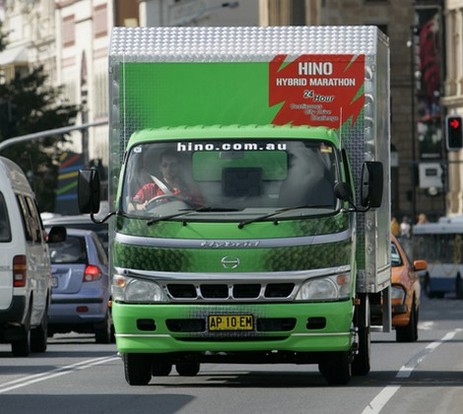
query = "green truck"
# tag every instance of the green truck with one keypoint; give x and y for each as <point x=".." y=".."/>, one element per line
<point x="249" y="188"/>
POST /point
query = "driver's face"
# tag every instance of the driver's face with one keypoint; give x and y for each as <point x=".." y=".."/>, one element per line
<point x="169" y="166"/>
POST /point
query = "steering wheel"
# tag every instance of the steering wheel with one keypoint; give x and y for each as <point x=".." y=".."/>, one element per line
<point x="154" y="202"/>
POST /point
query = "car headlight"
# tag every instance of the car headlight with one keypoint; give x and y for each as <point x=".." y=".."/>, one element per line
<point x="131" y="290"/>
<point x="398" y="294"/>
<point x="333" y="287"/>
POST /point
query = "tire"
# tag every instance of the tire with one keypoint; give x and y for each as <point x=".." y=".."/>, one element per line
<point x="187" y="369"/>
<point x="104" y="333"/>
<point x="21" y="346"/>
<point x="361" y="362"/>
<point x="39" y="335"/>
<point x="409" y="333"/>
<point x="161" y="368"/>
<point x="336" y="368"/>
<point x="458" y="287"/>
<point x="427" y="287"/>
<point x="137" y="368"/>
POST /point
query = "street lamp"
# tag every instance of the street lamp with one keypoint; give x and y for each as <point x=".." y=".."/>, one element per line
<point x="200" y="13"/>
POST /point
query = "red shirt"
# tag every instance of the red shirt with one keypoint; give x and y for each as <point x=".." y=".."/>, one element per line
<point x="150" y="190"/>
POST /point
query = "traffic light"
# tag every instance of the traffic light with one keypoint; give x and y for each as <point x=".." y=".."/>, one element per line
<point x="454" y="132"/>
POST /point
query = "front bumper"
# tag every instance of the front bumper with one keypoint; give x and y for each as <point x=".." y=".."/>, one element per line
<point x="296" y="327"/>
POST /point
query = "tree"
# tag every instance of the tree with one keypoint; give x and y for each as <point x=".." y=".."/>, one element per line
<point x="29" y="104"/>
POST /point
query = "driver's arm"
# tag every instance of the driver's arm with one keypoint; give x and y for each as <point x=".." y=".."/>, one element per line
<point x="145" y="193"/>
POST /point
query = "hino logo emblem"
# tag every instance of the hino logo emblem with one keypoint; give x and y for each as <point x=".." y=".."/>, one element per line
<point x="230" y="262"/>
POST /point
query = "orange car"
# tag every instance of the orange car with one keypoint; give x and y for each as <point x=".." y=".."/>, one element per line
<point x="405" y="293"/>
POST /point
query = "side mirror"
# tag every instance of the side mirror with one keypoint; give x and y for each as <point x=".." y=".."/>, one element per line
<point x="57" y="234"/>
<point x="88" y="190"/>
<point x="371" y="191"/>
<point x="419" y="265"/>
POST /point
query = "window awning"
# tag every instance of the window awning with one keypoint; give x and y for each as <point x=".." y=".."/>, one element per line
<point x="12" y="56"/>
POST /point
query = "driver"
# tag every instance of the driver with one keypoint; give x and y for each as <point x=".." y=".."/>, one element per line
<point x="170" y="184"/>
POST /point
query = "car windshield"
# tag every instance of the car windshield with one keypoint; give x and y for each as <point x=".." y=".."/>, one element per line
<point x="230" y="178"/>
<point x="396" y="260"/>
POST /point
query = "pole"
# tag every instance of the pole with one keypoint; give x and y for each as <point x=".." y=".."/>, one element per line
<point x="48" y="133"/>
<point x="413" y="119"/>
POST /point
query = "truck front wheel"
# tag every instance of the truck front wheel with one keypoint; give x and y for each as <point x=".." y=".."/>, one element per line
<point x="137" y="368"/>
<point x="336" y="368"/>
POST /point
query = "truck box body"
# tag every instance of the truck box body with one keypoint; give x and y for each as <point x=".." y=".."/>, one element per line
<point x="245" y="264"/>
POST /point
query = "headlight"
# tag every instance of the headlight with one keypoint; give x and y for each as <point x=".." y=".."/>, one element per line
<point x="333" y="287"/>
<point x="398" y="294"/>
<point x="130" y="290"/>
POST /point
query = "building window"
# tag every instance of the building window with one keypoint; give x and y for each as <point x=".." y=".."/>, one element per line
<point x="69" y="31"/>
<point x="100" y="21"/>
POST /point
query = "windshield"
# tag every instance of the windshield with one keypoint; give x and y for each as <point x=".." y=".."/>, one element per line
<point x="232" y="178"/>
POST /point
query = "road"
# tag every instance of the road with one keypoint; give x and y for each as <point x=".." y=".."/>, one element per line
<point x="76" y="375"/>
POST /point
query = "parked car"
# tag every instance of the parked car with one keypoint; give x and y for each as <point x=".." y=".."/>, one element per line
<point x="25" y="269"/>
<point x="406" y="292"/>
<point x="80" y="286"/>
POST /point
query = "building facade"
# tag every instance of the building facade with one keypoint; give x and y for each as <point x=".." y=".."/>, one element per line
<point x="70" y="38"/>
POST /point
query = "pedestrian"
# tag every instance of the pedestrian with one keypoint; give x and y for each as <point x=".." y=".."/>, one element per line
<point x="395" y="227"/>
<point x="422" y="219"/>
<point x="405" y="228"/>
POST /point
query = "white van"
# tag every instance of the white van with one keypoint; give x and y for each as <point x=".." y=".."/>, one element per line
<point x="25" y="271"/>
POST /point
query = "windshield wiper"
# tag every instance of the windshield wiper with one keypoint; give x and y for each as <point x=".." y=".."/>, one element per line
<point x="187" y="211"/>
<point x="276" y="212"/>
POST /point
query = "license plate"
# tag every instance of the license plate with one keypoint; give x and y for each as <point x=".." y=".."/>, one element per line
<point x="231" y="322"/>
<point x="54" y="282"/>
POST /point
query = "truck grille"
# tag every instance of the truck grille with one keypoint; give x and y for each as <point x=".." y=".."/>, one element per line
<point x="229" y="292"/>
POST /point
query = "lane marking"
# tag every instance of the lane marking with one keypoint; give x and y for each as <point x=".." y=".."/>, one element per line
<point x="57" y="372"/>
<point x="381" y="399"/>
<point x="426" y="326"/>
